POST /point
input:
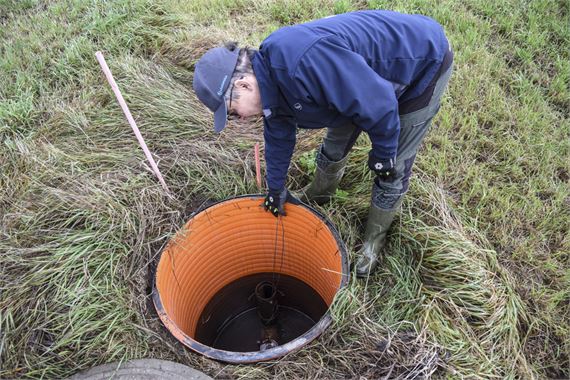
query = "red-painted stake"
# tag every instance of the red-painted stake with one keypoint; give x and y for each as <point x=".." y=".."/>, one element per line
<point x="257" y="166"/>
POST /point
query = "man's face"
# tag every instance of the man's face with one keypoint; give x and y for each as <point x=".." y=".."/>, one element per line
<point x="245" y="100"/>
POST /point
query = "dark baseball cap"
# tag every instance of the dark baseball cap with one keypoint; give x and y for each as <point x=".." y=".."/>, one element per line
<point x="212" y="76"/>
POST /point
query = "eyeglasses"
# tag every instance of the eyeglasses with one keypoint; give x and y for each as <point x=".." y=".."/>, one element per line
<point x="231" y="114"/>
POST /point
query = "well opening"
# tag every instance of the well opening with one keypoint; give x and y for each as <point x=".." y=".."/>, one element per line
<point x="239" y="285"/>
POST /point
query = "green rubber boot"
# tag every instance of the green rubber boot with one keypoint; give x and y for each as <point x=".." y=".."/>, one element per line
<point x="377" y="226"/>
<point x="326" y="180"/>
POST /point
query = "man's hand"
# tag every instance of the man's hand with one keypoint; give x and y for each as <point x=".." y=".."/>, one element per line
<point x="275" y="201"/>
<point x="384" y="168"/>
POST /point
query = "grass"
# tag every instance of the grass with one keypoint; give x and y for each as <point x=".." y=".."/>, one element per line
<point x="476" y="283"/>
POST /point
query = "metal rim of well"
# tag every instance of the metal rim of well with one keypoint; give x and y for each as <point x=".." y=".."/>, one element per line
<point x="272" y="353"/>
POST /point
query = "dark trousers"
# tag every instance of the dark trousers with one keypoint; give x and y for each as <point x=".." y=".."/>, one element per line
<point x="413" y="128"/>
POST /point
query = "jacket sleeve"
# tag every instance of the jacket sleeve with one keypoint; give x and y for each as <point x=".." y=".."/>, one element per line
<point x="279" y="135"/>
<point x="332" y="75"/>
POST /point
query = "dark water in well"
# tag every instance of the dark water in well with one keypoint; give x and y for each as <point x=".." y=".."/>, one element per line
<point x="232" y="320"/>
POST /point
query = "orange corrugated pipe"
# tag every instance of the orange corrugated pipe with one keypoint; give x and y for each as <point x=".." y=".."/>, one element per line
<point x="236" y="238"/>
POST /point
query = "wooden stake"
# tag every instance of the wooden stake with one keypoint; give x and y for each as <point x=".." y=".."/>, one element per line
<point x="130" y="119"/>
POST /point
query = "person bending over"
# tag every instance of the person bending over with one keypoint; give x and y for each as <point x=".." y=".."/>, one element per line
<point x="378" y="72"/>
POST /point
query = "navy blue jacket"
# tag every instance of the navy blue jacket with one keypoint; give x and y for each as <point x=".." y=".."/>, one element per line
<point x="349" y="68"/>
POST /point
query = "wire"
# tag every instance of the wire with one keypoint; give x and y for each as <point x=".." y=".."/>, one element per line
<point x="276" y="276"/>
<point x="275" y="251"/>
<point x="282" y="251"/>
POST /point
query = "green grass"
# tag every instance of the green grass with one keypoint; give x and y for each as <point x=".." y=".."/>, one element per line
<point x="477" y="280"/>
